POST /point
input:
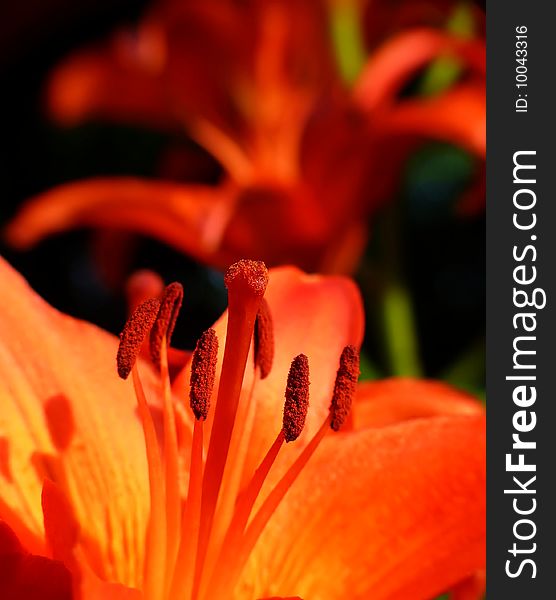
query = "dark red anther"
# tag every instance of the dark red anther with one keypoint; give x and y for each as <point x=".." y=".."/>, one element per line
<point x="297" y="398"/>
<point x="170" y="305"/>
<point x="264" y="339"/>
<point x="203" y="373"/>
<point x="133" y="335"/>
<point x="344" y="387"/>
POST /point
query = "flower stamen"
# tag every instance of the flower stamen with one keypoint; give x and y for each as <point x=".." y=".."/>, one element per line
<point x="297" y="398"/>
<point x="131" y="340"/>
<point x="344" y="387"/>
<point x="203" y="373"/>
<point x="295" y="412"/>
<point x="170" y="306"/>
<point x="171" y="464"/>
<point x="339" y="411"/>
<point x="264" y="340"/>
<point x="155" y="545"/>
<point x="134" y="334"/>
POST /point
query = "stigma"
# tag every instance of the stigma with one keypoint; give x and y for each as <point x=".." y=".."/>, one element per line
<point x="199" y="539"/>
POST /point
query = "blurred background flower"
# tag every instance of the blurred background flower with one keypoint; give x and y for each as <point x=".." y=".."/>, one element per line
<point x="340" y="135"/>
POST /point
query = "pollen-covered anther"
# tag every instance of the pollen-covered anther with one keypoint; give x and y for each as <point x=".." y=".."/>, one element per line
<point x="297" y="398"/>
<point x="170" y="305"/>
<point x="264" y="340"/>
<point x="252" y="275"/>
<point x="134" y="333"/>
<point x="344" y="387"/>
<point x="203" y="373"/>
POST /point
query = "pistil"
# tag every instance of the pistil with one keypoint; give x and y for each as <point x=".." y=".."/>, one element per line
<point x="246" y="282"/>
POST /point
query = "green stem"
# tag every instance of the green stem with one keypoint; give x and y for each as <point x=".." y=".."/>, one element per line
<point x="347" y="38"/>
<point x="444" y="71"/>
<point x="399" y="327"/>
<point x="468" y="371"/>
<point x="399" y="330"/>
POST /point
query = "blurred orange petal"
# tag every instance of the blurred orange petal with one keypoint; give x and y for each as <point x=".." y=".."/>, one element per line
<point x="92" y="83"/>
<point x="191" y="218"/>
<point x="457" y="116"/>
<point x="390" y="401"/>
<point x="401" y="57"/>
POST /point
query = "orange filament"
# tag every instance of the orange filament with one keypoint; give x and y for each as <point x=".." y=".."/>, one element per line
<point x="155" y="544"/>
<point x="244" y="506"/>
<point x="234" y="567"/>
<point x="183" y="573"/>
<point x="236" y="555"/>
<point x="344" y="387"/>
<point x="246" y="282"/>
<point x="297" y="398"/>
<point x="203" y="373"/>
<point x="232" y="477"/>
<point x="264" y="340"/>
<point x="295" y="412"/>
<point x="170" y="305"/>
<point x="171" y="464"/>
<point x="133" y="335"/>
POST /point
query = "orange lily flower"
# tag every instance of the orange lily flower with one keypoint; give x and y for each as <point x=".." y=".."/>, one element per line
<point x="109" y="489"/>
<point x="306" y="157"/>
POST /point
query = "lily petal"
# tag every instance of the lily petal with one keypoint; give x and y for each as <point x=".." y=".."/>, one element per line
<point x="177" y="60"/>
<point x="92" y="588"/>
<point x="387" y="514"/>
<point x="24" y="576"/>
<point x="281" y="598"/>
<point x="402" y="56"/>
<point x="41" y="361"/>
<point x="457" y="116"/>
<point x="189" y="217"/>
<point x="391" y="401"/>
<point x="93" y="83"/>
<point x="472" y="588"/>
